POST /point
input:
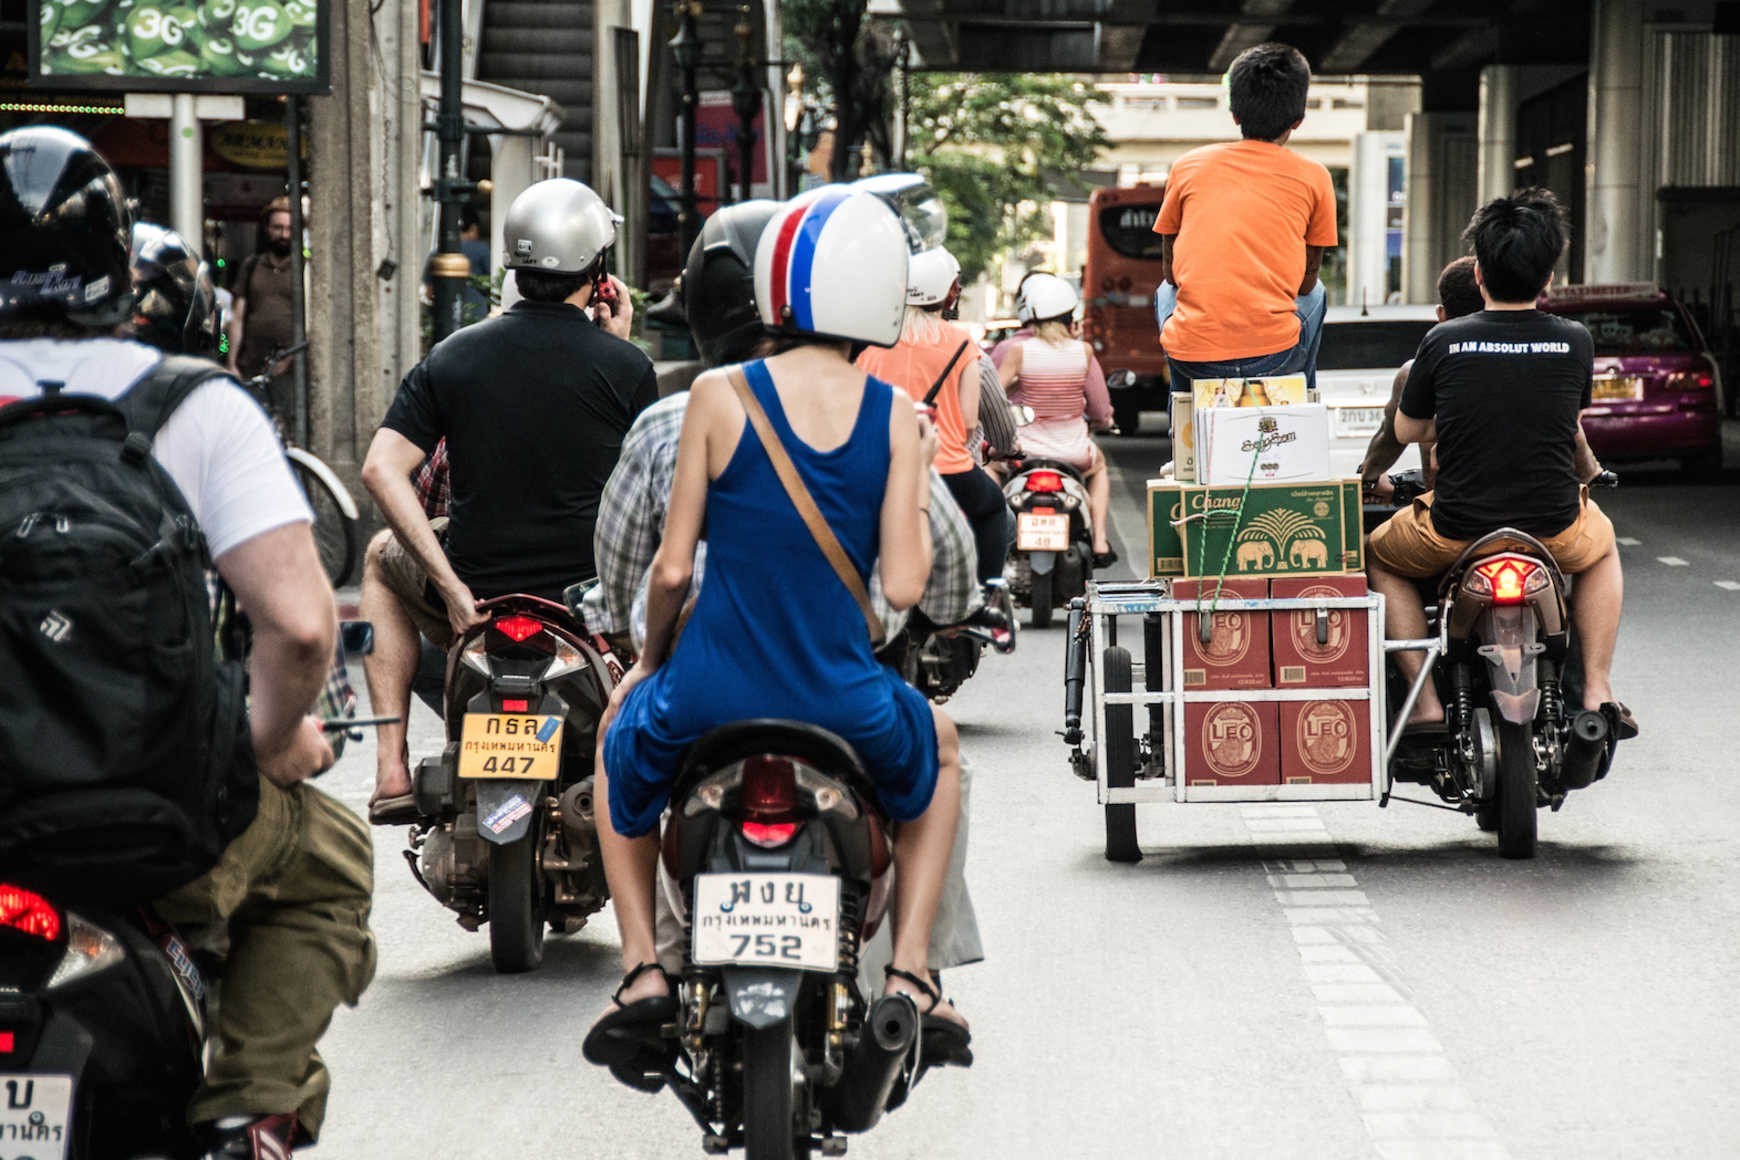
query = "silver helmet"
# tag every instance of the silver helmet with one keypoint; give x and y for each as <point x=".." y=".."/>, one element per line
<point x="559" y="226"/>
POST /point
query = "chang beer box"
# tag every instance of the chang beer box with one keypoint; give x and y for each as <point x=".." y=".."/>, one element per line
<point x="1282" y="529"/>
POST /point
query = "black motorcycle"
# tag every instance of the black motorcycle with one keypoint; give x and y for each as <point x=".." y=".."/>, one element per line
<point x="506" y="833"/>
<point x="938" y="659"/>
<point x="1053" y="557"/>
<point x="1505" y="663"/>
<point x="783" y="861"/>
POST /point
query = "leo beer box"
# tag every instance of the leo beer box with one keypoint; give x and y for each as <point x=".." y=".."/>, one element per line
<point x="1327" y="652"/>
<point x="1231" y="743"/>
<point x="1237" y="653"/>
<point x="1325" y="742"/>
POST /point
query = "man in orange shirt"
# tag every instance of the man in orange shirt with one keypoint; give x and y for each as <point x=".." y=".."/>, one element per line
<point x="1243" y="229"/>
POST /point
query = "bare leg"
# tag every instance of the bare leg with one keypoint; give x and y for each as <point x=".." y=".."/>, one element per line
<point x="1595" y="608"/>
<point x="921" y="858"/>
<point x="388" y="669"/>
<point x="1405" y="619"/>
<point x="630" y="865"/>
<point x="1100" y="502"/>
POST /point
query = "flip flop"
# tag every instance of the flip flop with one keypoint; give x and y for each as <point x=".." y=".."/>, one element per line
<point x="1105" y="559"/>
<point x="944" y="1041"/>
<point x="1619" y="720"/>
<point x="398" y="810"/>
<point x="628" y="1039"/>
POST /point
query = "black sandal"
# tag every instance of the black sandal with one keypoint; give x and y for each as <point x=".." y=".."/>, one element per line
<point x="630" y="1036"/>
<point x="944" y="1041"/>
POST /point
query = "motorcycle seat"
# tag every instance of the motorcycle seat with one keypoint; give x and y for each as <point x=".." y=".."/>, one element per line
<point x="810" y="744"/>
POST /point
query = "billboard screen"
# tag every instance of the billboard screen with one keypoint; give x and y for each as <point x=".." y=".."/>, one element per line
<point x="198" y="46"/>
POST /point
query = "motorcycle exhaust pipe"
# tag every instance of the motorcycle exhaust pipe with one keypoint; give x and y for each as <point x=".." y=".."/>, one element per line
<point x="871" y="1070"/>
<point x="1586" y="749"/>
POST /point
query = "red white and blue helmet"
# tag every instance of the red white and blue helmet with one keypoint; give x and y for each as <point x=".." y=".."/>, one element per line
<point x="832" y="264"/>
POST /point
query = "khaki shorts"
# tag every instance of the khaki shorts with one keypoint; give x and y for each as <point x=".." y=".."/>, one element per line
<point x="1408" y="545"/>
<point x="405" y="579"/>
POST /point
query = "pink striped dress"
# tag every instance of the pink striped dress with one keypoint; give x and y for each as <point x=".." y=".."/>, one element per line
<point x="1054" y="382"/>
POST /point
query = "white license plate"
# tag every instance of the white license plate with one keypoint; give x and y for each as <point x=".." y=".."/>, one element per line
<point x="767" y="920"/>
<point x="1036" y="533"/>
<point x="1617" y="389"/>
<point x="1358" y="420"/>
<point x="35" y="1116"/>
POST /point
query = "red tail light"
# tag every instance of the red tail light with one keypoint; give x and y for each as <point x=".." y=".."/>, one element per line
<point x="1044" y="481"/>
<point x="1510" y="578"/>
<point x="519" y="628"/>
<point x="29" y="913"/>
<point x="8" y="1042"/>
<point x="768" y="799"/>
<point x="515" y="704"/>
<point x="1691" y="381"/>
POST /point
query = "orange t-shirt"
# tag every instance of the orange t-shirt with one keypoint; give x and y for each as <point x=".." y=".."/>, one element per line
<point x="1243" y="213"/>
<point x="913" y="366"/>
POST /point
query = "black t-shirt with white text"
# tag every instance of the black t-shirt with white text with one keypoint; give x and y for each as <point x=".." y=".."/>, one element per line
<point x="533" y="404"/>
<point x="1505" y="388"/>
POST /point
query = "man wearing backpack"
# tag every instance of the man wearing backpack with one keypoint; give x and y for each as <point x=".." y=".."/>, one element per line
<point x="122" y="728"/>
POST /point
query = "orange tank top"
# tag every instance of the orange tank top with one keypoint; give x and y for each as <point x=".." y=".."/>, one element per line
<point x="912" y="366"/>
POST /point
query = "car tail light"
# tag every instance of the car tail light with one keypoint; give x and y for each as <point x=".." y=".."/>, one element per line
<point x="768" y="800"/>
<point x="519" y="628"/>
<point x="1507" y="579"/>
<point x="1691" y="381"/>
<point x="29" y="913"/>
<point x="1046" y="481"/>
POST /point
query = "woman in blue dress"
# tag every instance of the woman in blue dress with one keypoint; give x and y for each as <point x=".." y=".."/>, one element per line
<point x="774" y="631"/>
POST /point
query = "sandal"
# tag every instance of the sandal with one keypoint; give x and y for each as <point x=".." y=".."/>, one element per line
<point x="1105" y="559"/>
<point x="1619" y="720"/>
<point x="398" y="810"/>
<point x="629" y="1038"/>
<point x="944" y="1041"/>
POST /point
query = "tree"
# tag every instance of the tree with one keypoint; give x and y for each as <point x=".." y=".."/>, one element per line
<point x="997" y="148"/>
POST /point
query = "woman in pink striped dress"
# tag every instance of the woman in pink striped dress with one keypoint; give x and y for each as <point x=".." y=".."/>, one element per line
<point x="1056" y="374"/>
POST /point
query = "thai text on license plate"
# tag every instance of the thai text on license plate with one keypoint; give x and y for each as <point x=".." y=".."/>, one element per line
<point x="767" y="920"/>
<point x="1358" y="420"/>
<point x="35" y="1116"/>
<point x="521" y="745"/>
<point x="1037" y="533"/>
<point x="1616" y="388"/>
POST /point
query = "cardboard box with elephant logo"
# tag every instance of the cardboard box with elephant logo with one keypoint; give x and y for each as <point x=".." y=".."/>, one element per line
<point x="1266" y="530"/>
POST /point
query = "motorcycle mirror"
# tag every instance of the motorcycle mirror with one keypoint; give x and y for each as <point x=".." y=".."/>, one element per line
<point x="1023" y="415"/>
<point x="574" y="597"/>
<point x="356" y="638"/>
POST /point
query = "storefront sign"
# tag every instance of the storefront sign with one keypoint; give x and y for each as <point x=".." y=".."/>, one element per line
<point x="251" y="144"/>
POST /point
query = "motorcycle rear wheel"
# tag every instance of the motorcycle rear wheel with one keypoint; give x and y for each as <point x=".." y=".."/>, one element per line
<point x="516" y="910"/>
<point x="1040" y="599"/>
<point x="768" y="1066"/>
<point x="1518" y="814"/>
<point x="1120" y="743"/>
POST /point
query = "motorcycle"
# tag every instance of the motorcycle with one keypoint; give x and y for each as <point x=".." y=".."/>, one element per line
<point x="782" y="862"/>
<point x="1054" y="543"/>
<point x="938" y="659"/>
<point x="1506" y="665"/>
<point x="506" y="833"/>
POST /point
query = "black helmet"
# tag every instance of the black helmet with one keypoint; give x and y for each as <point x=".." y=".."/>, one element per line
<point x="64" y="230"/>
<point x="175" y="306"/>
<point x="718" y="286"/>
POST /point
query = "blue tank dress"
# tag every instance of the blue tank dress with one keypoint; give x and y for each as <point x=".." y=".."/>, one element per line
<point x="774" y="632"/>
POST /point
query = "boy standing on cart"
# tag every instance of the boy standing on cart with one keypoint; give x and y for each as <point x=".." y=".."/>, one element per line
<point x="1243" y="228"/>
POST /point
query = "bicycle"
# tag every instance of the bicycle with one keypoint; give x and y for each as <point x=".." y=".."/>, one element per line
<point x="335" y="511"/>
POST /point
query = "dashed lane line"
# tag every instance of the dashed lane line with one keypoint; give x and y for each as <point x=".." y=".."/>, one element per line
<point x="1671" y="561"/>
<point x="1407" y="1091"/>
<point x="1728" y="585"/>
<point x="1628" y="541"/>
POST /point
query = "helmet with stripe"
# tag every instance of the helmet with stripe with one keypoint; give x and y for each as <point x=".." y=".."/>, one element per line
<point x="832" y="264"/>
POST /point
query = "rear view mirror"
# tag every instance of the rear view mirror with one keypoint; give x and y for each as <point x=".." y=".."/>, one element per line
<point x="356" y="637"/>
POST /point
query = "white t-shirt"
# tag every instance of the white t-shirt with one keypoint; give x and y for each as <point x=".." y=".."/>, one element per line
<point x="218" y="446"/>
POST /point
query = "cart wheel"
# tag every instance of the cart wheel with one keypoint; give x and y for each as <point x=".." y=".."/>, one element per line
<point x="1120" y="743"/>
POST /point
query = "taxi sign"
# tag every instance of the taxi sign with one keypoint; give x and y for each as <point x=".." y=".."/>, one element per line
<point x="511" y="745"/>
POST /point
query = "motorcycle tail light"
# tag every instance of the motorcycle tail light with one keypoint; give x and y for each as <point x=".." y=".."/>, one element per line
<point x="1046" y="481"/>
<point x="1507" y="579"/>
<point x="515" y="704"/>
<point x="8" y="1042"/>
<point x="29" y="913"/>
<point x="1043" y="511"/>
<point x="519" y="628"/>
<point x="768" y="800"/>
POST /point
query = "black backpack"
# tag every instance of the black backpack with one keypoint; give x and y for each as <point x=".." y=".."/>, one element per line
<point x="126" y="765"/>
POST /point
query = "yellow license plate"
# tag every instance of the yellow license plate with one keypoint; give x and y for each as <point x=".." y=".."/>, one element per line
<point x="1611" y="389"/>
<point x="511" y="745"/>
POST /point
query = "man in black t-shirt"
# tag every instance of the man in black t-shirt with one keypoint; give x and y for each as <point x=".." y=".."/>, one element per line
<point x="1501" y="392"/>
<point x="533" y="405"/>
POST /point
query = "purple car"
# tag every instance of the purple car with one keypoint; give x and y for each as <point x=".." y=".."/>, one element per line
<point x="1657" y="391"/>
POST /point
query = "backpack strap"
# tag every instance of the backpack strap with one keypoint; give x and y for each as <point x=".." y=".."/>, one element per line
<point x="936" y="387"/>
<point x="148" y="403"/>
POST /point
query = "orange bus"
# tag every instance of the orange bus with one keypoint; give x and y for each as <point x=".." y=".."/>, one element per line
<point x="1117" y="285"/>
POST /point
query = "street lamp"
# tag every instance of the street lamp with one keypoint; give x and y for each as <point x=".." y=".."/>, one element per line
<point x="746" y="100"/>
<point x="686" y="51"/>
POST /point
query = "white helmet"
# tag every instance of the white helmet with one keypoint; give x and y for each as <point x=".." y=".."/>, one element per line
<point x="558" y="225"/>
<point x="1046" y="297"/>
<point x="832" y="263"/>
<point x="931" y="277"/>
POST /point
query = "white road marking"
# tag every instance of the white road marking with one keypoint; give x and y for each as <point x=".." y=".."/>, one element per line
<point x="1410" y="1100"/>
<point x="1628" y="541"/>
<point x="1728" y="585"/>
<point x="1671" y="561"/>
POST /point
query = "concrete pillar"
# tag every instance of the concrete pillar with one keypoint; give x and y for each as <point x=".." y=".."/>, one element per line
<point x="1617" y="236"/>
<point x="186" y="170"/>
<point x="1496" y="131"/>
<point x="1367" y="207"/>
<point x="1420" y="242"/>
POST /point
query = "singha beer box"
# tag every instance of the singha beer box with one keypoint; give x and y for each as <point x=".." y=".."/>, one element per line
<point x="1237" y="653"/>
<point x="1280" y="530"/>
<point x="1325" y="742"/>
<point x="1262" y="444"/>
<point x="1231" y="743"/>
<point x="1326" y="651"/>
